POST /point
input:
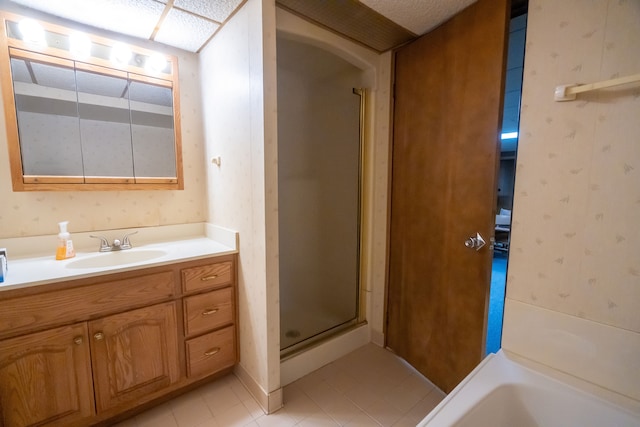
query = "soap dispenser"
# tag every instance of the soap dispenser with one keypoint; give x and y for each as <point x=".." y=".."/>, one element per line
<point x="65" y="245"/>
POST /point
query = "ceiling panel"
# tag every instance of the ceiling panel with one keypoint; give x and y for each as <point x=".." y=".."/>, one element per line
<point x="173" y="30"/>
<point x="218" y="10"/>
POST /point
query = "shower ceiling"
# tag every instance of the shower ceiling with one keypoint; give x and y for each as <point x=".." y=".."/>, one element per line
<point x="190" y="24"/>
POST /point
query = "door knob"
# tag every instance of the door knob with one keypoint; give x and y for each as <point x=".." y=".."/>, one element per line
<point x="475" y="242"/>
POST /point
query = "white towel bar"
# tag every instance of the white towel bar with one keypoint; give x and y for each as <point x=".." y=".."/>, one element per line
<point x="569" y="92"/>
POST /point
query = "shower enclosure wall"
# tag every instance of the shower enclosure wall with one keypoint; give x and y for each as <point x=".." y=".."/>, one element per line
<point x="319" y="155"/>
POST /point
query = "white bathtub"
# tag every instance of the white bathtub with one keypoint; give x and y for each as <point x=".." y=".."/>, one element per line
<point x="501" y="392"/>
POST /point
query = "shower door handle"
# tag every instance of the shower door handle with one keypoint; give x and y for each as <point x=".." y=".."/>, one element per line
<point x="475" y="242"/>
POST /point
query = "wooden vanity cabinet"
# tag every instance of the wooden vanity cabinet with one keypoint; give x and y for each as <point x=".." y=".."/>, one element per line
<point x="117" y="342"/>
<point x="209" y="318"/>
<point x="45" y="378"/>
<point x="134" y="353"/>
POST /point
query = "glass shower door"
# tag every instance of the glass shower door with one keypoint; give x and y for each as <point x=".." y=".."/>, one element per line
<point x="318" y="196"/>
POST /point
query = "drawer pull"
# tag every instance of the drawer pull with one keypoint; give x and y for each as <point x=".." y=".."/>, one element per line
<point x="209" y="311"/>
<point x="206" y="278"/>
<point x="77" y="340"/>
<point x="212" y="352"/>
<point x="98" y="336"/>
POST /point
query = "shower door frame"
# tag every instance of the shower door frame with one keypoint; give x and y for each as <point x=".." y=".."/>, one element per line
<point x="360" y="314"/>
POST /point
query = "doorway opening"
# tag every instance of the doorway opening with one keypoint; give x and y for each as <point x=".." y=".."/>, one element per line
<point x="506" y="178"/>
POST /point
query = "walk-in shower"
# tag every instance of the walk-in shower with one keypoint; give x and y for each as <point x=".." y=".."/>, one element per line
<point x="319" y="186"/>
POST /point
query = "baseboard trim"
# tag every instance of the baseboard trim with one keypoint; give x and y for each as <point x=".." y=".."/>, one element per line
<point x="377" y="338"/>
<point x="270" y="402"/>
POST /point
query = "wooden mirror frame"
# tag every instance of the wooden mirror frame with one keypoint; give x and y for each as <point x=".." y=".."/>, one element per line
<point x="74" y="183"/>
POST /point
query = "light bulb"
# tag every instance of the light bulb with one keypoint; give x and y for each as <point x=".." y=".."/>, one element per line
<point x="80" y="45"/>
<point x="156" y="63"/>
<point x="32" y="32"/>
<point x="120" y="54"/>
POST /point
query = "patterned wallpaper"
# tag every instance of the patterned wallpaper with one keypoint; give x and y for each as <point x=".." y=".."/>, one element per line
<point x="234" y="125"/>
<point x="576" y="234"/>
<point x="37" y="213"/>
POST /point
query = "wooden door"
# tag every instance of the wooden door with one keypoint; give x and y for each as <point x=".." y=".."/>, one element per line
<point x="133" y="354"/>
<point x="45" y="377"/>
<point x="447" y="116"/>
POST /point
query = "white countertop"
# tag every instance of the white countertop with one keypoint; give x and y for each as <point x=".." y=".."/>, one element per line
<point x="25" y="271"/>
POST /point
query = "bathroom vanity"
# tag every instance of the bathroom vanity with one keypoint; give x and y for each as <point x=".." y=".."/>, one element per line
<point x="92" y="349"/>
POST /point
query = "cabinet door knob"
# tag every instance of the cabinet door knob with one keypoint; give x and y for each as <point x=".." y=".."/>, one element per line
<point x="206" y="278"/>
<point x="78" y="340"/>
<point x="211" y="352"/>
<point x="98" y="336"/>
<point x="209" y="311"/>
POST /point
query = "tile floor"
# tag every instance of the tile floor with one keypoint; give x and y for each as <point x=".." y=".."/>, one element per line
<point x="368" y="387"/>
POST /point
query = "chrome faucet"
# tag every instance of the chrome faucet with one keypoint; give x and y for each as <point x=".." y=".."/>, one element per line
<point x="117" y="245"/>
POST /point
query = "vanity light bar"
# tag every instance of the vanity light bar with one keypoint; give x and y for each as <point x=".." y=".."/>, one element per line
<point x="120" y="54"/>
<point x="32" y="32"/>
<point x="509" y="135"/>
<point x="156" y="63"/>
<point x="80" y="45"/>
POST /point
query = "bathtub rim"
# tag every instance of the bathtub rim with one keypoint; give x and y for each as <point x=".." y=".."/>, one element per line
<point x="612" y="398"/>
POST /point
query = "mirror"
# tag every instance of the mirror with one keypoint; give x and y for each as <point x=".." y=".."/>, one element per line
<point x="105" y="125"/>
<point x="47" y="110"/>
<point x="152" y="129"/>
<point x="77" y="122"/>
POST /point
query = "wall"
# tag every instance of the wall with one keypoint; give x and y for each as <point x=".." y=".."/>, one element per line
<point x="37" y="213"/>
<point x="573" y="287"/>
<point x="238" y="71"/>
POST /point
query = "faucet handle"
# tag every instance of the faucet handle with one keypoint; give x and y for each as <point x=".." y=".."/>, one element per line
<point x="126" y="244"/>
<point x="104" y="243"/>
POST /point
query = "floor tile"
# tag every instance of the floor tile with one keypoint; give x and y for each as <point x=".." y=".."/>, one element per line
<point x="383" y="412"/>
<point x="236" y="416"/>
<point x="363" y="420"/>
<point x="343" y="411"/>
<point x="370" y="387"/>
<point x="318" y="420"/>
<point x="211" y="422"/>
<point x="278" y="419"/>
<point x="191" y="413"/>
<point x="220" y="397"/>
<point x="323" y="394"/>
<point x="407" y="394"/>
<point x="253" y="407"/>
<point x="300" y="407"/>
<point x="160" y="416"/>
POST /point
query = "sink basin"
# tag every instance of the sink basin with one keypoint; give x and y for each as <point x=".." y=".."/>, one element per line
<point x="112" y="259"/>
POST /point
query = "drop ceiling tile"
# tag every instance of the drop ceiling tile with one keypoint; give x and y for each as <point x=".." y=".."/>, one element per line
<point x="217" y="10"/>
<point x="137" y="18"/>
<point x="172" y="30"/>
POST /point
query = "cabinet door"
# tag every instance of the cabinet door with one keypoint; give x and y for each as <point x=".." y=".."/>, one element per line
<point x="134" y="353"/>
<point x="45" y="377"/>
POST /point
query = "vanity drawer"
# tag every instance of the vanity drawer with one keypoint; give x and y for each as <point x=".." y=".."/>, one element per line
<point x="207" y="276"/>
<point x="208" y="311"/>
<point x="83" y="302"/>
<point x="211" y="352"/>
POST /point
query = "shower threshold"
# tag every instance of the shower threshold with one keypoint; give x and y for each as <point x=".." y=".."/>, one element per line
<point x="318" y="339"/>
